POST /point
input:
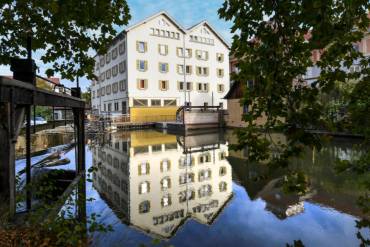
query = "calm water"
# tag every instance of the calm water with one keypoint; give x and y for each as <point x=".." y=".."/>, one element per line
<point x="194" y="191"/>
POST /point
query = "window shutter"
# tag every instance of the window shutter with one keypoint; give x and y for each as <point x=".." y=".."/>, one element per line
<point x="197" y="70"/>
<point x="190" y="53"/>
<point x="166" y="49"/>
<point x="207" y="71"/>
<point x="177" y="69"/>
<point x="159" y="67"/>
<point x="207" y="55"/>
<point x="145" y="65"/>
<point x="137" y="45"/>
<point x="191" y="69"/>
<point x="145" y="47"/>
<point x="139" y="171"/>
<point x="138" y="64"/>
<point x="145" y="83"/>
<point x="159" y="48"/>
<point x="166" y="67"/>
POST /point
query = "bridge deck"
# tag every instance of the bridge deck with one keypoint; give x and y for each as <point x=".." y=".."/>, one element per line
<point x="19" y="92"/>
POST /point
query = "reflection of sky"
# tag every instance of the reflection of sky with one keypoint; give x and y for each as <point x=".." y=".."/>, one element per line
<point x="242" y="223"/>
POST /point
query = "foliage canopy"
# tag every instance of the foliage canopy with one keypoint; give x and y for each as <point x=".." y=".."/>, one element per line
<point x="65" y="32"/>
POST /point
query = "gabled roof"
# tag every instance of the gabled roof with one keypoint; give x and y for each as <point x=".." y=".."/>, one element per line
<point x="204" y="22"/>
<point x="154" y="16"/>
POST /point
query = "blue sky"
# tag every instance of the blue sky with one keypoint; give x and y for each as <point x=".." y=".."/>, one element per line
<point x="186" y="12"/>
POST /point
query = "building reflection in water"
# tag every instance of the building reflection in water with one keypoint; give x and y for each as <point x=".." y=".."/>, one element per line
<point x="156" y="181"/>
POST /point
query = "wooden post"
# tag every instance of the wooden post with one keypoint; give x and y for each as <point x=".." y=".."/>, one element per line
<point x="7" y="157"/>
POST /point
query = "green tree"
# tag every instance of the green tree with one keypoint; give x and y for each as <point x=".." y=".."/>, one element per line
<point x="271" y="44"/>
<point x="273" y="41"/>
<point x="65" y="32"/>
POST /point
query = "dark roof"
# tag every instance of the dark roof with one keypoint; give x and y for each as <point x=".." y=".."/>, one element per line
<point x="236" y="91"/>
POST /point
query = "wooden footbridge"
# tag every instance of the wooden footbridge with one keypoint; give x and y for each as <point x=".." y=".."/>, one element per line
<point x="16" y="98"/>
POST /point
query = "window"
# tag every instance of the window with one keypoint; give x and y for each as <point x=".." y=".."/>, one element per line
<point x="109" y="107"/>
<point x="202" y="87"/>
<point x="102" y="61"/>
<point x="186" y="195"/>
<point x="188" y="52"/>
<point x="142" y="65"/>
<point x="220" y="57"/>
<point x="142" y="83"/>
<point x="180" y="69"/>
<point x="180" y="52"/>
<point x="201" y="55"/>
<point x="155" y="102"/>
<point x="122" y="85"/>
<point x="163" y="67"/>
<point x="115" y="87"/>
<point x="115" y="70"/>
<point x="186" y="178"/>
<point x="102" y="77"/>
<point x="116" y="106"/>
<point x="122" y="67"/>
<point x="171" y="102"/>
<point x="188" y="69"/>
<point x="180" y="85"/>
<point x="165" y="165"/>
<point x="220" y="73"/>
<point x="202" y="71"/>
<point x="114" y="53"/>
<point x="189" y="86"/>
<point x="186" y="161"/>
<point x="140" y="102"/>
<point x="163" y="49"/>
<point x="108" y="74"/>
<point x="204" y="175"/>
<point x="121" y="48"/>
<point x="107" y="57"/>
<point x="144" y="207"/>
<point x="141" y="46"/>
<point x="166" y="201"/>
<point x="222" y="156"/>
<point x="144" y="168"/>
<point x="222" y="186"/>
<point x="245" y="109"/>
<point x="163" y="85"/>
<point x="166" y="183"/>
<point x="220" y="88"/>
<point x="205" y="190"/>
<point x="108" y="89"/>
<point x="102" y="91"/>
<point x="222" y="171"/>
<point x="144" y="187"/>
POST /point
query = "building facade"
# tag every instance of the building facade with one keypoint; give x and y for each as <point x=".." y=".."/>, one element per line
<point x="154" y="67"/>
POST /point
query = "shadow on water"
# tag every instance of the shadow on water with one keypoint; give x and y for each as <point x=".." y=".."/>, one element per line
<point x="155" y="188"/>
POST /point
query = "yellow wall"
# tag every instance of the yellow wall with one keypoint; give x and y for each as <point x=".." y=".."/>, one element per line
<point x="234" y="114"/>
<point x="152" y="114"/>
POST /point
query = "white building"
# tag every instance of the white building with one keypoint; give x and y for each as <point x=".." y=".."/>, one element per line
<point x="142" y="74"/>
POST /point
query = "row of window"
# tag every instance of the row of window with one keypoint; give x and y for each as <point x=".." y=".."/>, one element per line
<point x="164" y="85"/>
<point x="187" y="195"/>
<point x="111" y="55"/>
<point x="165" y="165"/>
<point x="113" y="72"/>
<point x="203" y="40"/>
<point x="110" y="89"/>
<point x="142" y="65"/>
<point x="165" y="33"/>
<point x="142" y="47"/>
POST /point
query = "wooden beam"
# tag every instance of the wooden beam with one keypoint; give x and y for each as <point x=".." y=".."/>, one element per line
<point x="27" y="94"/>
